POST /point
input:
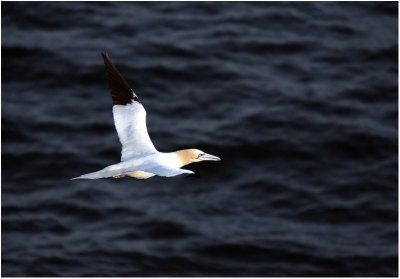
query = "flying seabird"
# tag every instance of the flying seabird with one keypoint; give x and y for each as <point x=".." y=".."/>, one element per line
<point x="139" y="158"/>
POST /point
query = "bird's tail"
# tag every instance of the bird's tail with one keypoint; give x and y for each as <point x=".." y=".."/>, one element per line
<point x="92" y="175"/>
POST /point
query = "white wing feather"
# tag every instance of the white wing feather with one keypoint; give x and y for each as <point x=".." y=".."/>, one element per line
<point x="123" y="168"/>
<point x="166" y="171"/>
<point x="130" y="123"/>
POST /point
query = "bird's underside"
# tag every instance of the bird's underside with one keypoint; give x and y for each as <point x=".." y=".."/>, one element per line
<point x="142" y="167"/>
<point x="136" y="174"/>
<point x="139" y="158"/>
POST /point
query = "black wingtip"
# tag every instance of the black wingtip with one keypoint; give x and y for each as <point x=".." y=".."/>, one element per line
<point x="121" y="92"/>
<point x="106" y="57"/>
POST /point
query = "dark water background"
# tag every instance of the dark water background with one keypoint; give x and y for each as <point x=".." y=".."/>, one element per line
<point x="299" y="100"/>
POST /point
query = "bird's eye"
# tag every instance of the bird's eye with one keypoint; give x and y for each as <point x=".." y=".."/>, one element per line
<point x="200" y="154"/>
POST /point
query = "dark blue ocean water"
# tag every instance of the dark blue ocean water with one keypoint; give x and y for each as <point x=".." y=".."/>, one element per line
<point x="300" y="100"/>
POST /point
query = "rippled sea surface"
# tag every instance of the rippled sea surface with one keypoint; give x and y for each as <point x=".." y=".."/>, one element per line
<point x="300" y="100"/>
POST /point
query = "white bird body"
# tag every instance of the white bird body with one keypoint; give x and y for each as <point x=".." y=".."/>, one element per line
<point x="142" y="167"/>
<point x="139" y="158"/>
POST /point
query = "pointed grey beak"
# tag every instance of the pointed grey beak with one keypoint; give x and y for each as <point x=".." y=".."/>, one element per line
<point x="209" y="157"/>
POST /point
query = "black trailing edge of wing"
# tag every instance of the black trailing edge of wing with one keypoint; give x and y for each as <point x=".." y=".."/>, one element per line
<point x="121" y="92"/>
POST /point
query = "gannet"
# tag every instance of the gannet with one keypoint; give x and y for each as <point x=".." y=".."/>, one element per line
<point x="139" y="158"/>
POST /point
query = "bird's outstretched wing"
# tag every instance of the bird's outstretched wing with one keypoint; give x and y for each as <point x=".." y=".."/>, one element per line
<point x="166" y="171"/>
<point x="129" y="115"/>
<point x="122" y="169"/>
